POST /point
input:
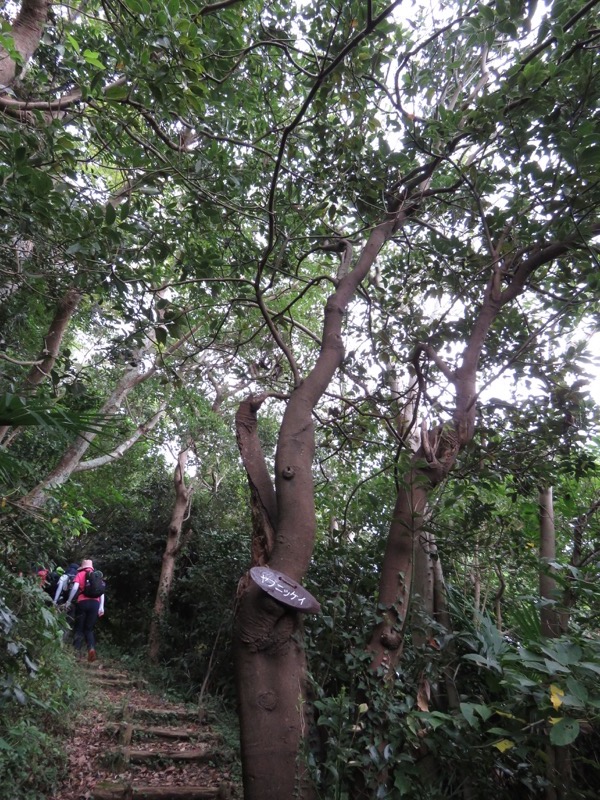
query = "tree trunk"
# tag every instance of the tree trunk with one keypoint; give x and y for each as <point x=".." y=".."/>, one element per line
<point x="549" y="618"/>
<point x="396" y="581"/>
<point x="436" y="457"/>
<point x="52" y="342"/>
<point x="439" y="450"/>
<point x="424" y="589"/>
<point x="26" y="33"/>
<point x="183" y="496"/>
<point x="72" y="456"/>
<point x="559" y="760"/>
<point x="274" y="704"/>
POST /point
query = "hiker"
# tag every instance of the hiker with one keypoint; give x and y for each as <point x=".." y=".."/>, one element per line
<point x="62" y="587"/>
<point x="42" y="574"/>
<point x="48" y="581"/>
<point x="61" y="596"/>
<point x="89" y="587"/>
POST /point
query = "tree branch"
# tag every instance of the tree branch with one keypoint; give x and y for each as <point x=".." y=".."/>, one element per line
<point x="264" y="501"/>
<point x="119" y="452"/>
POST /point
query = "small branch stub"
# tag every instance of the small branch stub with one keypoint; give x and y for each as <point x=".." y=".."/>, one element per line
<point x="288" y="473"/>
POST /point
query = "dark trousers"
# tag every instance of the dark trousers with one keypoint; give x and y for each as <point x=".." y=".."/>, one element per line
<point x="86" y="614"/>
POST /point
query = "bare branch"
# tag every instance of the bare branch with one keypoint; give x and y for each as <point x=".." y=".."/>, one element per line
<point x="4" y="357"/>
<point x="119" y="452"/>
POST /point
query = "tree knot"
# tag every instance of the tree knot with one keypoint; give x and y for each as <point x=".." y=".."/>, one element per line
<point x="391" y="640"/>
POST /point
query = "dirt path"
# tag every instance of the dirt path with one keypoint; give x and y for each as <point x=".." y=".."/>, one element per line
<point x="132" y="744"/>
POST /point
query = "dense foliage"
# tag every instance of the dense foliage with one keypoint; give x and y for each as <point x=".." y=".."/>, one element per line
<point x="38" y="694"/>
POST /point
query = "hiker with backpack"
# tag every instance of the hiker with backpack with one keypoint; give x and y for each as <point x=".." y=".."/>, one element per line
<point x="89" y="587"/>
<point x="64" y="584"/>
<point x="61" y="596"/>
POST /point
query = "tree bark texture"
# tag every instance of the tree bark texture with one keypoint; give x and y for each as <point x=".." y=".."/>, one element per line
<point x="395" y="586"/>
<point x="26" y="33"/>
<point x="183" y="496"/>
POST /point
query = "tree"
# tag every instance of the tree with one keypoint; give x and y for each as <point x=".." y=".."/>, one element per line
<point x="270" y="662"/>
<point x="183" y="496"/>
<point x="512" y="251"/>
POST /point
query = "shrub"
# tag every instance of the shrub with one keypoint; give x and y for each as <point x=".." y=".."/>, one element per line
<point x="37" y="690"/>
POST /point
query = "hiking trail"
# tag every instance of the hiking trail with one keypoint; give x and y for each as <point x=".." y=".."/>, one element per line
<point x="133" y="745"/>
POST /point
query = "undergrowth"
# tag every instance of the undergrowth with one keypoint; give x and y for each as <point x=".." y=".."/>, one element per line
<point x="39" y="691"/>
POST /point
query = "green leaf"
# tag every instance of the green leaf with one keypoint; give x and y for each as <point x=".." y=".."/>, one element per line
<point x="139" y="6"/>
<point x="468" y="712"/>
<point x="589" y="665"/>
<point x="554" y="666"/>
<point x="577" y="689"/>
<point x="110" y="214"/>
<point x="161" y="335"/>
<point x="93" y="58"/>
<point x="116" y="93"/>
<point x="73" y="42"/>
<point x="564" y="732"/>
<point x="590" y="157"/>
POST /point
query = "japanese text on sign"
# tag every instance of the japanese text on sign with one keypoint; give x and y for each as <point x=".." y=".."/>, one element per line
<point x="285" y="589"/>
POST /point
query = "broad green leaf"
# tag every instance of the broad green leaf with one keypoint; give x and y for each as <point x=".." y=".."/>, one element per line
<point x="93" y="58"/>
<point x="564" y="732"/>
<point x="110" y="214"/>
<point x="73" y="42"/>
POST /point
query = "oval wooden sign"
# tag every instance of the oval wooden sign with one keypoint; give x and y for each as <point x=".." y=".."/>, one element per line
<point x="285" y="589"/>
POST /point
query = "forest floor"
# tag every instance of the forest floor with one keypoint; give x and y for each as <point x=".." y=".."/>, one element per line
<point x="131" y="743"/>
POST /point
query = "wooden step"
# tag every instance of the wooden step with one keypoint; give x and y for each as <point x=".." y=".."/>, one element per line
<point x="199" y="754"/>
<point x="183" y="715"/>
<point x="113" y="683"/>
<point x="163" y="733"/>
<point x="97" y="668"/>
<point x="120" y="791"/>
<point x="128" y="755"/>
